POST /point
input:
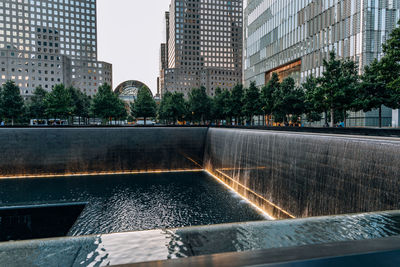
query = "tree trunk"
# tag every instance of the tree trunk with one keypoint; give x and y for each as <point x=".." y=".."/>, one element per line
<point x="144" y="120"/>
<point x="344" y="118"/>
<point x="326" y="117"/>
<point x="380" y="117"/>
<point x="332" y="118"/>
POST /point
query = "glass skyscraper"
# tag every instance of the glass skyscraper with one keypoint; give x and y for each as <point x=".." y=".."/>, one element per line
<point x="47" y="42"/>
<point x="292" y="37"/>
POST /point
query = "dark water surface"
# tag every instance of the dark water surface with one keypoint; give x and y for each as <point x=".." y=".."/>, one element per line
<point x="118" y="203"/>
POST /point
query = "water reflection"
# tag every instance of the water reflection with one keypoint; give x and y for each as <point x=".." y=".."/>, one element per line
<point x="122" y="248"/>
<point x="138" y="202"/>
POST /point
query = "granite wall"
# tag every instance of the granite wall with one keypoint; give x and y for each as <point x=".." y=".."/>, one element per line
<point x="42" y="151"/>
<point x="302" y="175"/>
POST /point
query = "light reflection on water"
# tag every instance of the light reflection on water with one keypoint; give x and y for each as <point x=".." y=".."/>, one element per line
<point x="196" y="241"/>
<point x="127" y="203"/>
<point x="131" y="247"/>
<point x="137" y="202"/>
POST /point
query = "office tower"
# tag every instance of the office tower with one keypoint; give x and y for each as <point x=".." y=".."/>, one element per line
<point x="47" y="42"/>
<point x="292" y="37"/>
<point x="203" y="45"/>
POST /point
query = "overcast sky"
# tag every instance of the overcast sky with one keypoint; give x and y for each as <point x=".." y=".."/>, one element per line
<point x="129" y="36"/>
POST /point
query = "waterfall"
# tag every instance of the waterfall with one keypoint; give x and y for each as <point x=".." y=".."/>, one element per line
<point x="303" y="174"/>
<point x="65" y="151"/>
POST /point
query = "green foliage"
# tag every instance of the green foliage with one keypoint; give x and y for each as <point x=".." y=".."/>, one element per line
<point x="236" y="102"/>
<point x="144" y="106"/>
<point x="199" y="105"/>
<point x="251" y="102"/>
<point x="59" y="103"/>
<point x="338" y="85"/>
<point x="172" y="107"/>
<point x="374" y="93"/>
<point x="12" y="104"/>
<point x="288" y="101"/>
<point x="36" y="107"/>
<point x="390" y="66"/>
<point x="221" y="104"/>
<point x="314" y="104"/>
<point x="107" y="105"/>
<point x="80" y="103"/>
<point x="227" y="104"/>
<point x="267" y="94"/>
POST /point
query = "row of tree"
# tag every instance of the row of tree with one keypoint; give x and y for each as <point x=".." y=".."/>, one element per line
<point x="60" y="103"/>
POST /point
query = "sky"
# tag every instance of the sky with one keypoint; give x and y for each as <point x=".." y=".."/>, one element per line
<point x="129" y="36"/>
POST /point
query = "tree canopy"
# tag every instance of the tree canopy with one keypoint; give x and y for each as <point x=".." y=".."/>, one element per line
<point x="267" y="94"/>
<point x="338" y="85"/>
<point x="80" y="103"/>
<point x="37" y="105"/>
<point x="144" y="106"/>
<point x="107" y="105"/>
<point x="199" y="105"/>
<point x="251" y="102"/>
<point x="236" y="105"/>
<point x="59" y="103"/>
<point x="12" y="104"/>
<point x="172" y="107"/>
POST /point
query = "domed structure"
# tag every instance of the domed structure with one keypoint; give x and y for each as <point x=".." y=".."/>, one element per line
<point x="128" y="90"/>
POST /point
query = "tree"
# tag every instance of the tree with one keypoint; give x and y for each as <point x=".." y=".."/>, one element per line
<point x="374" y="93"/>
<point x="11" y="101"/>
<point x="36" y="105"/>
<point x="227" y="105"/>
<point x="217" y="105"/>
<point x="289" y="101"/>
<point x="252" y="102"/>
<point x="172" y="107"/>
<point x="145" y="106"/>
<point x="163" y="108"/>
<point x="338" y="85"/>
<point x="390" y="66"/>
<point x="59" y="103"/>
<point x="107" y="105"/>
<point x="120" y="112"/>
<point x="267" y="95"/>
<point x="199" y="105"/>
<point x="313" y="100"/>
<point x="80" y="103"/>
<point x="221" y="105"/>
<point x="236" y="104"/>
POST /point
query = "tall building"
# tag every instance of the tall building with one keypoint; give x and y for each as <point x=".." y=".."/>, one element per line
<point x="48" y="42"/>
<point x="292" y="37"/>
<point x="203" y="45"/>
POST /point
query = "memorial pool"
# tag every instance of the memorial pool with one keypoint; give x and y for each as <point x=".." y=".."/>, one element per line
<point x="120" y="203"/>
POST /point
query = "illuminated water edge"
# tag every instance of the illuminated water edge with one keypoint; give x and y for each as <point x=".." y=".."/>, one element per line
<point x="133" y="247"/>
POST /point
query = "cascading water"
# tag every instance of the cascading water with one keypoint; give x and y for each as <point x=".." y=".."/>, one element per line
<point x="301" y="175"/>
<point x="64" y="151"/>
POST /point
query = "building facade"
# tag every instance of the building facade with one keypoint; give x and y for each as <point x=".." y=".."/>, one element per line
<point x="292" y="37"/>
<point x="47" y="42"/>
<point x="204" y="45"/>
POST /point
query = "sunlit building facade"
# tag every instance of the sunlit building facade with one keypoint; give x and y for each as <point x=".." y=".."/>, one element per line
<point x="204" y="45"/>
<point x="292" y="37"/>
<point x="47" y="42"/>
